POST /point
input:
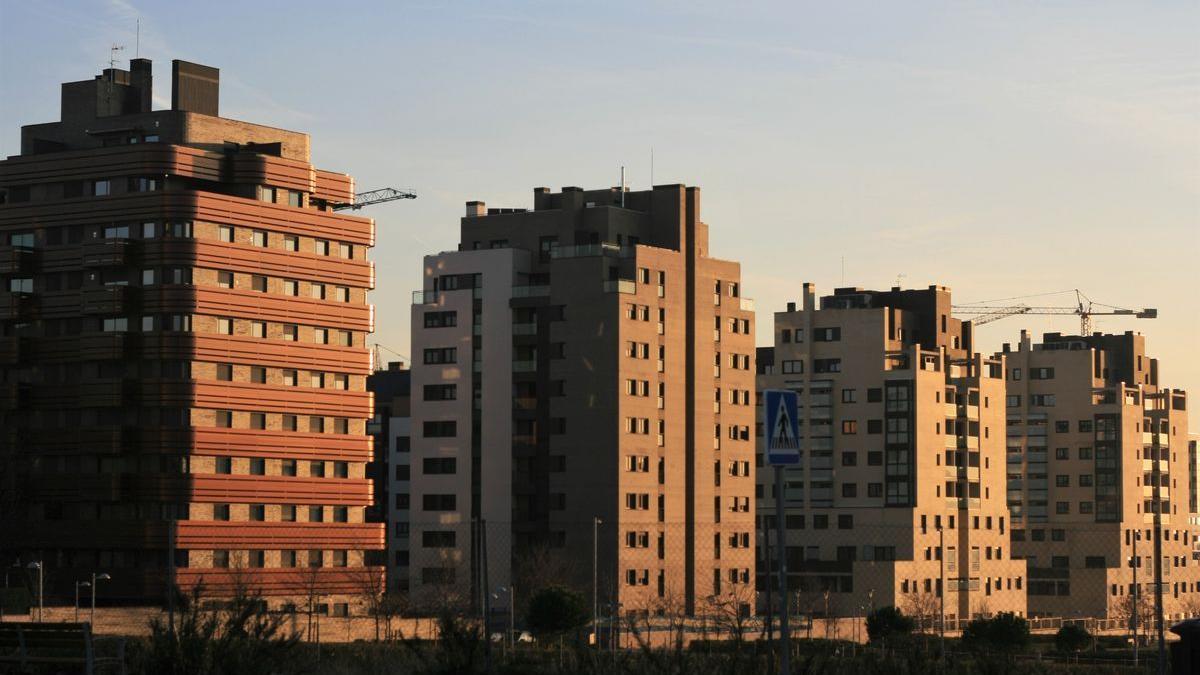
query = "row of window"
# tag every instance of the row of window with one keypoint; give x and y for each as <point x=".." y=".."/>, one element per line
<point x="257" y="466"/>
<point x="262" y="284"/>
<point x="259" y="420"/>
<point x="222" y="558"/>
<point x="287" y="513"/>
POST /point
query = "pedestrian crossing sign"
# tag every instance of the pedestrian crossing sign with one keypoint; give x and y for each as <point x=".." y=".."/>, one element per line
<point x="782" y="428"/>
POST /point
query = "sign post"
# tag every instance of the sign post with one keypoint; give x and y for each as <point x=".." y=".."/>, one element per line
<point x="782" y="430"/>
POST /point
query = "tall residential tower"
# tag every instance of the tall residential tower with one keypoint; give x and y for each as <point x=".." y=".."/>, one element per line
<point x="182" y="350"/>
<point x="1097" y="449"/>
<point x="582" y="386"/>
<point x="899" y="497"/>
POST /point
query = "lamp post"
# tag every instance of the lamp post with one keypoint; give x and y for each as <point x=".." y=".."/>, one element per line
<point x="37" y="565"/>
<point x="96" y="578"/>
<point x="595" y="580"/>
<point x="78" y="585"/>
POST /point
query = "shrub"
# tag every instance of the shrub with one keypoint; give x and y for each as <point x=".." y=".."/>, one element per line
<point x="1072" y="638"/>
<point x="1005" y="632"/>
<point x="556" y="610"/>
<point x="888" y="623"/>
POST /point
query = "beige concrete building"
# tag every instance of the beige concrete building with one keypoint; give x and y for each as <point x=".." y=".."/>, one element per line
<point x="584" y="359"/>
<point x="901" y="481"/>
<point x="1090" y="430"/>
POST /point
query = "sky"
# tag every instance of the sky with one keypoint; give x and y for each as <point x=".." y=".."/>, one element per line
<point x="1001" y="149"/>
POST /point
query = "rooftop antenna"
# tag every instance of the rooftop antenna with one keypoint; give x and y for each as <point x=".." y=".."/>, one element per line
<point x="112" y="59"/>
<point x="843" y="270"/>
<point x="622" y="187"/>
<point x="652" y="166"/>
<point x="898" y="278"/>
<point x="137" y="45"/>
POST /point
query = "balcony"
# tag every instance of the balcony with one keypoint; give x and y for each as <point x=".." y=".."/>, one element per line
<point x="425" y="297"/>
<point x="628" y="286"/>
<point x="524" y="328"/>
<point x="107" y="253"/>
<point x="107" y="300"/>
<point x="591" y="250"/>
<point x="17" y="259"/>
<point x="530" y="291"/>
<point x="524" y="366"/>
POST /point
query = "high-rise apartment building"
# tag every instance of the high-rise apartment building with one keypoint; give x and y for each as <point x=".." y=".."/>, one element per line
<point x="584" y="360"/>
<point x="182" y="352"/>
<point x="1096" y="447"/>
<point x="899" y="496"/>
<point x="390" y="469"/>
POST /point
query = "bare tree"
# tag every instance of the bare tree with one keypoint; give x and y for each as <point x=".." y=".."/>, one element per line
<point x="732" y="612"/>
<point x="925" y="607"/>
<point x="371" y="583"/>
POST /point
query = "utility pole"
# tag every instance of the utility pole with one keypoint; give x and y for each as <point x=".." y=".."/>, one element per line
<point x="1137" y="534"/>
<point x="1157" y="449"/>
<point x="595" y="580"/>
<point x="942" y="594"/>
<point x="785" y="638"/>
<point x="487" y="595"/>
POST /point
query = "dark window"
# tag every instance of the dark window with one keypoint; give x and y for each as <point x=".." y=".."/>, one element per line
<point x="439" y="465"/>
<point x="441" y="392"/>
<point x="874" y="395"/>
<point x="827" y="365"/>
<point x="438" y="538"/>
<point x="874" y="426"/>
<point x="845" y="521"/>
<point x="827" y="334"/>
<point x="441" y="429"/>
<point x="441" y="319"/>
<point x="439" y="502"/>
<point x="441" y="355"/>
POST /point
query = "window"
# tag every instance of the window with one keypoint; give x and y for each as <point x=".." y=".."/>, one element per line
<point x="225" y="279"/>
<point x="258" y="283"/>
<point x="259" y="238"/>
<point x="225" y="372"/>
<point x="436" y="466"/>
<point x="321" y="247"/>
<point x="439" y="502"/>
<point x="341" y="469"/>
<point x="258" y="512"/>
<point x="295" y="199"/>
<point x="438" y="538"/>
<point x="225" y="233"/>
<point x="845" y="521"/>
<point x="321" y="336"/>
<point x="346" y="250"/>
<point x="849" y="396"/>
<point x="441" y="392"/>
<point x="875" y="490"/>
<point x="1012" y="401"/>
<point x="441" y="319"/>
<point x="291" y="242"/>
<point x="258" y="420"/>
<point x="266" y="194"/>
<point x="291" y="332"/>
<point x="849" y="427"/>
<point x="220" y="512"/>
<point x="827" y="365"/>
<point x="440" y="429"/>
<point x="1041" y="373"/>
<point x="1043" y="400"/>
<point x="341" y="294"/>
<point x="258" y="329"/>
<point x="827" y="334"/>
<point x="224" y="419"/>
<point x="101" y="188"/>
<point x="441" y="355"/>
<point x="220" y="558"/>
<point x="317" y="291"/>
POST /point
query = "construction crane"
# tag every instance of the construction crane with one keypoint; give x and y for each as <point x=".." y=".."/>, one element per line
<point x="379" y="365"/>
<point x="371" y="197"/>
<point x="985" y="312"/>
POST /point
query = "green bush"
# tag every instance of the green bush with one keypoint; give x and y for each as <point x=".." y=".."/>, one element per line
<point x="1072" y="638"/>
<point x="887" y="624"/>
<point x="1005" y="632"/>
<point x="556" y="610"/>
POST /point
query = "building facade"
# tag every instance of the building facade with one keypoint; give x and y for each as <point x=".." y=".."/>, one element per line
<point x="183" y="351"/>
<point x="899" y="497"/>
<point x="1097" y="448"/>
<point x="390" y="469"/>
<point x="582" y="386"/>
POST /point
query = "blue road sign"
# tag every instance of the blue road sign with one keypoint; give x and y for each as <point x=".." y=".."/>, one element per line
<point x="782" y="427"/>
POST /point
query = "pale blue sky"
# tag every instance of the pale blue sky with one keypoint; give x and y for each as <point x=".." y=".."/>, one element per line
<point x="1000" y="149"/>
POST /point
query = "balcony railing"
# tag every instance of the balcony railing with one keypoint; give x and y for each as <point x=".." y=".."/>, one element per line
<point x="425" y="297"/>
<point x="530" y="291"/>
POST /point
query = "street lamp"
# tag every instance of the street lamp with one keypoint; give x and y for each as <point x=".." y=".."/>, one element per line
<point x="37" y="565"/>
<point x="78" y="585"/>
<point x="96" y="578"/>
<point x="511" y="591"/>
